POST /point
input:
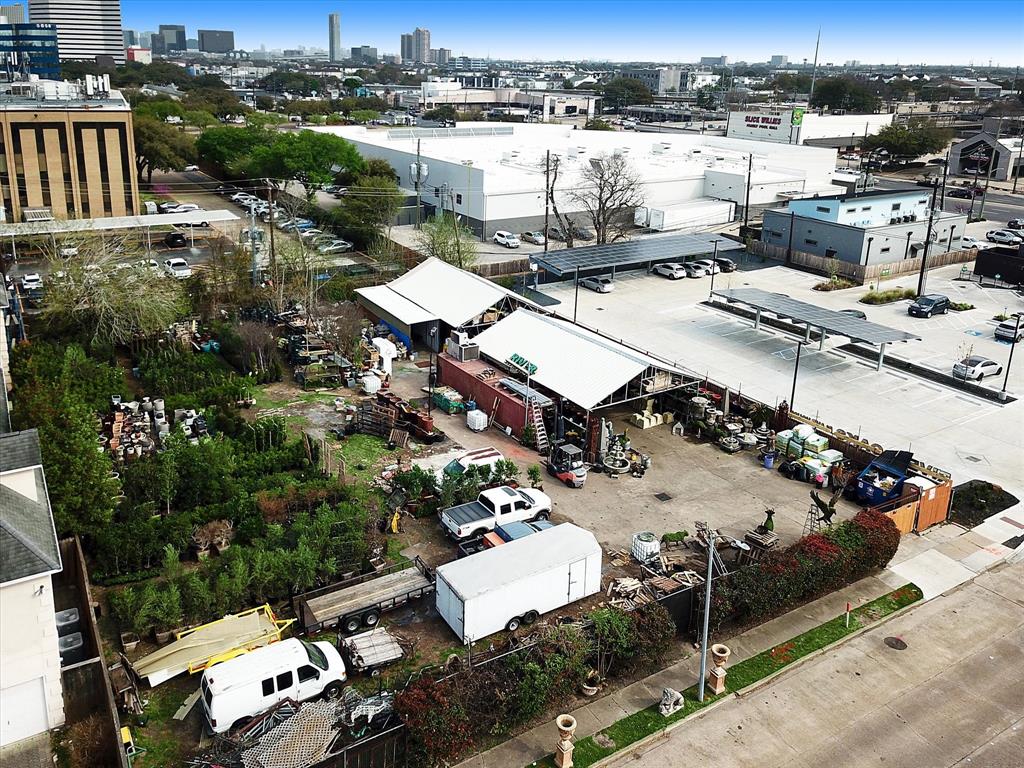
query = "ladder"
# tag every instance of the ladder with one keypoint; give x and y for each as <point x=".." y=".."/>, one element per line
<point x="541" y="434"/>
<point x="812" y="524"/>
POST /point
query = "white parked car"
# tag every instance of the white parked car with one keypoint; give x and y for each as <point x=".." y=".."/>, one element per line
<point x="1009" y="330"/>
<point x="235" y="691"/>
<point x="972" y="242"/>
<point x="311" y="234"/>
<point x="507" y="239"/>
<point x="709" y="266"/>
<point x="178" y="268"/>
<point x="190" y="168"/>
<point x="671" y="270"/>
<point x="334" y="246"/>
<point x="31" y="282"/>
<point x="693" y="269"/>
<point x="182" y="208"/>
<point x="599" y="284"/>
<point x="149" y="264"/>
<point x="1004" y="237"/>
<point x="976" y="368"/>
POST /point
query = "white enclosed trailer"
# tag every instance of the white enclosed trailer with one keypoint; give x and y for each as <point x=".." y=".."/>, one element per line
<point x="514" y="584"/>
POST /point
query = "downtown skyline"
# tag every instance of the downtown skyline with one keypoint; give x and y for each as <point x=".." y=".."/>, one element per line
<point x="605" y="30"/>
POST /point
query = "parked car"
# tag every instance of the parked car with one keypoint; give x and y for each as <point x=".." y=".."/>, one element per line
<point x="537" y="238"/>
<point x="191" y="224"/>
<point x="311" y="233"/>
<point x="493" y="507"/>
<point x="148" y="264"/>
<point x="1007" y="330"/>
<point x="1004" y="237"/>
<point x="671" y="270"/>
<point x="334" y="246"/>
<point x="226" y="189"/>
<point x="295" y="224"/>
<point x="31" y="282"/>
<point x="1015" y="224"/>
<point x="854" y="313"/>
<point x="501" y="237"/>
<point x="556" y="234"/>
<point x="693" y="269"/>
<point x="235" y="691"/>
<point x="190" y="168"/>
<point x="180" y="208"/>
<point x="976" y="368"/>
<point x="972" y="242"/>
<point x="178" y="268"/>
<point x="960" y="192"/>
<point x="598" y="284"/>
<point x="726" y="265"/>
<point x="238" y="197"/>
<point x="481" y="458"/>
<point x="931" y="304"/>
<point x="928" y="181"/>
<point x="708" y="265"/>
<point x="849" y="156"/>
<point x="175" y="240"/>
<point x="582" y="233"/>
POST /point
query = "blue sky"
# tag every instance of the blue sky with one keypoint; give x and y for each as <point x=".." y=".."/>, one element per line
<point x="877" y="31"/>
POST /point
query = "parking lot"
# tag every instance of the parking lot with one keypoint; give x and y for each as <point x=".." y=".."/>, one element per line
<point x="968" y="436"/>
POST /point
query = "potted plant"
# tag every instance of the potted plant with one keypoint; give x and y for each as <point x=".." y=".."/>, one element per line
<point x="533" y="472"/>
<point x="591" y="683"/>
<point x="167" y="614"/>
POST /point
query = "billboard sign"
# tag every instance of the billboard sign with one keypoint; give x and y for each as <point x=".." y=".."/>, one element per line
<point x="782" y="127"/>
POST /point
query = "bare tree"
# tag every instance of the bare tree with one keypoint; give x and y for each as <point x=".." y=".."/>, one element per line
<point x="342" y="324"/>
<point x="609" y="191"/>
<point x="258" y="345"/>
<point x="564" y="223"/>
<point x="444" y="238"/>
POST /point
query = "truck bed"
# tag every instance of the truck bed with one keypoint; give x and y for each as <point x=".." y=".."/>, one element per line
<point x="323" y="608"/>
<point x="471" y="512"/>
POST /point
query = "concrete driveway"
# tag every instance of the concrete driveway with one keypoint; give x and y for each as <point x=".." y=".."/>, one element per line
<point x="965" y="435"/>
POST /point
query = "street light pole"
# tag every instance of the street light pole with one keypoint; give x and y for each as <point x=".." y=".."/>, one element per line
<point x="746" y="199"/>
<point x="547" y="196"/>
<point x="576" y="298"/>
<point x="1009" y="362"/>
<point x="710" y="544"/>
<point x="714" y="268"/>
<point x="988" y="175"/>
<point x="796" y="370"/>
<point x="927" y="245"/>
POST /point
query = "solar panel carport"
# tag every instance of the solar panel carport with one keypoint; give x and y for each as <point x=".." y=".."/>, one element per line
<point x="632" y="254"/>
<point x="813" y="316"/>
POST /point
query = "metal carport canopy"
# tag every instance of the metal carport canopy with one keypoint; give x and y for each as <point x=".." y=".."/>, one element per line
<point x="814" y="316"/>
<point x="63" y="226"/>
<point x="633" y="253"/>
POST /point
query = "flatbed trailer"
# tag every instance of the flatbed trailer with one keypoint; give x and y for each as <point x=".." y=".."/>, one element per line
<point x="358" y="602"/>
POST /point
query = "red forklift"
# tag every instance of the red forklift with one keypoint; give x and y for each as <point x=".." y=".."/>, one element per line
<point x="566" y="464"/>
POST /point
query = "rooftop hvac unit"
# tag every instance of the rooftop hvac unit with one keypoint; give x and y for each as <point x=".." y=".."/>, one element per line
<point x="90" y="85"/>
<point x="894" y="221"/>
<point x="460" y="337"/>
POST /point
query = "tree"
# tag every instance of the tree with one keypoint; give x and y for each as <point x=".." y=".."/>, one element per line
<point x="228" y="147"/>
<point x="609" y="191"/>
<point x="444" y="112"/>
<point x="597" y="124"/>
<point x="623" y="91"/>
<point x="363" y="115"/>
<point x="308" y="157"/>
<point x="118" y="304"/>
<point x="910" y="141"/>
<point x="370" y="207"/>
<point x="200" y="118"/>
<point x="159" y="146"/>
<point x="443" y="238"/>
<point x="564" y="222"/>
<point x="844" y="93"/>
<point x="706" y="97"/>
<point x="376" y="166"/>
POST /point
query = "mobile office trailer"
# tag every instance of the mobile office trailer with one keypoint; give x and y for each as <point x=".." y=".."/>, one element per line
<point x="511" y="585"/>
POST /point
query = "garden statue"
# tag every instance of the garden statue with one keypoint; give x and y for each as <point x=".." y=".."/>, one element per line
<point x="769" y="523"/>
<point x="563" y="750"/>
<point x="716" y="676"/>
<point x="828" y="509"/>
<point x="671" y="701"/>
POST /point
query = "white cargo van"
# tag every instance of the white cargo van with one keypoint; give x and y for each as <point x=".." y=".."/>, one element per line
<point x="235" y="691"/>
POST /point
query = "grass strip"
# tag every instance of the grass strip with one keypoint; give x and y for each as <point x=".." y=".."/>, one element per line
<point x="639" y="725"/>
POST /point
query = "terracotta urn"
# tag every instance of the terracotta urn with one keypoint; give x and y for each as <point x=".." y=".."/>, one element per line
<point x="566" y="726"/>
<point x="720" y="653"/>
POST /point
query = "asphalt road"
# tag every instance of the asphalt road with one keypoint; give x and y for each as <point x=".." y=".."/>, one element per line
<point x="1000" y="207"/>
<point x="953" y="697"/>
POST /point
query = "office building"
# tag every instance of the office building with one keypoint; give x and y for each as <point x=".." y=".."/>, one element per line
<point x="364" y="54"/>
<point x="876" y="227"/>
<point x="146" y="39"/>
<point x="29" y="49"/>
<point x="714" y="61"/>
<point x="15" y="14"/>
<point x="779" y="61"/>
<point x="444" y="55"/>
<point x="173" y="38"/>
<point x="69" y="148"/>
<point x="659" y="80"/>
<point x="139" y="55"/>
<point x="85" y="28"/>
<point x="192" y="44"/>
<point x="421" y="45"/>
<point x="130" y="37"/>
<point x="408" y="50"/>
<point x="334" y="52"/>
<point x="216" y="40"/>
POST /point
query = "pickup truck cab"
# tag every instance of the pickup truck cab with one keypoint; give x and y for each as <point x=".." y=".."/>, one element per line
<point x="493" y="507"/>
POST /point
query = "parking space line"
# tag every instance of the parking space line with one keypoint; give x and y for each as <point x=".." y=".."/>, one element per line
<point x="893" y="389"/>
<point x="971" y="417"/>
<point x="943" y="396"/>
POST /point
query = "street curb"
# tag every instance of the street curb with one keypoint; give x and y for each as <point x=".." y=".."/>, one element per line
<point x="650" y="739"/>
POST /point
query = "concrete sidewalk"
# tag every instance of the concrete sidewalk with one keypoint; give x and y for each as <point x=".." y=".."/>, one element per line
<point x="534" y="744"/>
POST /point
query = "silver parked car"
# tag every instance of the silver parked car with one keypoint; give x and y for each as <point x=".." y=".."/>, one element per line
<point x="977" y="368"/>
<point x="671" y="270"/>
<point x="598" y="284"/>
<point x="537" y="238"/>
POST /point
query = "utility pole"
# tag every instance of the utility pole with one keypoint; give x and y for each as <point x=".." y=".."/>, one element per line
<point x="796" y="370"/>
<point x="814" y="72"/>
<point x="252" y="246"/>
<point x="419" y="206"/>
<point x="792" y="225"/>
<point x="273" y="255"/>
<point x="547" y="196"/>
<point x="927" y="245"/>
<point x="746" y="199"/>
<point x="1009" y="362"/>
<point x="991" y="162"/>
<point x="945" y="172"/>
<point x="1020" y="162"/>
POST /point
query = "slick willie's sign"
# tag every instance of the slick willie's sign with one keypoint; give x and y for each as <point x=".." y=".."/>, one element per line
<point x="783" y="127"/>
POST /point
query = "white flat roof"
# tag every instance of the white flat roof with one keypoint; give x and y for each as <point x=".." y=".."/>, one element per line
<point x="478" y="574"/>
<point x="435" y="290"/>
<point x="58" y="226"/>
<point x="578" y="364"/>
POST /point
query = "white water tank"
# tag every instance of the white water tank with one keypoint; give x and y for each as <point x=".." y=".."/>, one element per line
<point x="476" y="420"/>
<point x="645" y="546"/>
<point x="371" y="384"/>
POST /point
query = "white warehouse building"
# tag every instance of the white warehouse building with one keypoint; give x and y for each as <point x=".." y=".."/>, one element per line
<point x="493" y="174"/>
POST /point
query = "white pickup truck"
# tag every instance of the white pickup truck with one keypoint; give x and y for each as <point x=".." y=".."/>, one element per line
<point x="495" y="507"/>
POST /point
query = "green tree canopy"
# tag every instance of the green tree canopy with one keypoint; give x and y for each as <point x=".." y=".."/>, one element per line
<point x="597" y="124"/>
<point x="623" y="91"/>
<point x="159" y="146"/>
<point x="444" y="112"/>
<point x="293" y="82"/>
<point x="309" y="157"/>
<point x="228" y="147"/>
<point x="369" y="207"/>
<point x="844" y="93"/>
<point x="443" y="238"/>
<point x="910" y="141"/>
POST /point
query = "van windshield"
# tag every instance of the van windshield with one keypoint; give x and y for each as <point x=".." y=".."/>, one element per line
<point x="454" y="468"/>
<point x="316" y="656"/>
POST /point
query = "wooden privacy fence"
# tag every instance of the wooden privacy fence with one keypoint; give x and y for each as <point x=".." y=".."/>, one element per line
<point x="858" y="273"/>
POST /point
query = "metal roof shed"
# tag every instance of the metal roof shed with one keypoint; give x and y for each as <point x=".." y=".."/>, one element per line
<point x="582" y="366"/>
